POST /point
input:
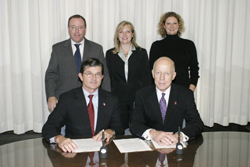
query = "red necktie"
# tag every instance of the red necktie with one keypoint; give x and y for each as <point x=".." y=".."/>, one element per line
<point x="91" y="156"/>
<point x="91" y="115"/>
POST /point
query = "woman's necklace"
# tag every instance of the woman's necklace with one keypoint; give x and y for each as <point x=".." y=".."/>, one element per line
<point x="126" y="55"/>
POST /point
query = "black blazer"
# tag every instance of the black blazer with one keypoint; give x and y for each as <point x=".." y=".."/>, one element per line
<point x="71" y="111"/>
<point x="138" y="73"/>
<point x="147" y="113"/>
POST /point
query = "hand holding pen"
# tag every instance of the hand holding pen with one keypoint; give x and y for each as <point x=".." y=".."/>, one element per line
<point x="106" y="134"/>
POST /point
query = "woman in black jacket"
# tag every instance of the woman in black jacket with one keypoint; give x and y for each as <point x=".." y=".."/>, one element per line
<point x="128" y="68"/>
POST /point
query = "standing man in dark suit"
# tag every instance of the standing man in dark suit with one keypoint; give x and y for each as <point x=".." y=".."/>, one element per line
<point x="73" y="110"/>
<point x="62" y="72"/>
<point x="161" y="108"/>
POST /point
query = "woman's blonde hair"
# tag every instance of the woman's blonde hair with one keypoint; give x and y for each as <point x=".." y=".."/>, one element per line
<point x="161" y="29"/>
<point x="120" y="26"/>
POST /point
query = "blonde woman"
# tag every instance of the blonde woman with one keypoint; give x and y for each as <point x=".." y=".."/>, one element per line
<point x="128" y="68"/>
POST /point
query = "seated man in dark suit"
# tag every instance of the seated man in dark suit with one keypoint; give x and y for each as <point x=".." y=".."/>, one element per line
<point x="85" y="110"/>
<point x="161" y="108"/>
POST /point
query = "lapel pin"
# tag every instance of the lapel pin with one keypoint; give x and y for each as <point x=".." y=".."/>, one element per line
<point x="175" y="103"/>
<point x="104" y="104"/>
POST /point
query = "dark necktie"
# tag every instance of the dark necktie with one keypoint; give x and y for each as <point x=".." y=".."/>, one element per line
<point x="91" y="115"/>
<point x="163" y="107"/>
<point x="161" y="158"/>
<point x="77" y="57"/>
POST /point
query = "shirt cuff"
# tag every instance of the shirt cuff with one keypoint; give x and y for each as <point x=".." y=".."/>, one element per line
<point x="184" y="137"/>
<point x="52" y="140"/>
<point x="146" y="135"/>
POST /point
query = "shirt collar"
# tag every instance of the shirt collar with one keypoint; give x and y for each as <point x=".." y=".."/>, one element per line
<point x="159" y="93"/>
<point x="86" y="93"/>
<point x="121" y="54"/>
<point x="132" y="48"/>
<point x="73" y="42"/>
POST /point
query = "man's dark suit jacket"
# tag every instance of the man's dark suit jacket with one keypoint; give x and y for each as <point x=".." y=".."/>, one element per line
<point x="72" y="111"/>
<point x="181" y="105"/>
<point x="62" y="75"/>
<point x="139" y="75"/>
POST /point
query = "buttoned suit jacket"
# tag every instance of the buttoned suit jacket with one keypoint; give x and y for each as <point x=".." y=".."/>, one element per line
<point x="62" y="75"/>
<point x="139" y="75"/>
<point x="181" y="105"/>
<point x="72" y="111"/>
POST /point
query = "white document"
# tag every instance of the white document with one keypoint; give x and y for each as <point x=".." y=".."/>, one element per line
<point x="158" y="146"/>
<point x="87" y="145"/>
<point x="131" y="145"/>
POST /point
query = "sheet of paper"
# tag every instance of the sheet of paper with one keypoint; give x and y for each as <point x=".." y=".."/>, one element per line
<point x="158" y="146"/>
<point x="131" y="145"/>
<point x="87" y="145"/>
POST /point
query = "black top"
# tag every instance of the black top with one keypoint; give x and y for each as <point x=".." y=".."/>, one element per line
<point x="183" y="53"/>
<point x="138" y="73"/>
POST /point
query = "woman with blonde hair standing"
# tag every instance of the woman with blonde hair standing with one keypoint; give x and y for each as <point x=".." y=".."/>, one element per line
<point x="128" y="68"/>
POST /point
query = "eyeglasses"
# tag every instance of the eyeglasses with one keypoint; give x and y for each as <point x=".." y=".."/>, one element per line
<point x="91" y="75"/>
<point x="74" y="28"/>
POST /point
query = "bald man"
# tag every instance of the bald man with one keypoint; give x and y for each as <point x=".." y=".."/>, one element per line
<point x="161" y="108"/>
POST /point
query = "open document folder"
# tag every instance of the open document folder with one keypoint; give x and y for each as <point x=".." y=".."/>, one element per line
<point x="158" y="146"/>
<point x="131" y="145"/>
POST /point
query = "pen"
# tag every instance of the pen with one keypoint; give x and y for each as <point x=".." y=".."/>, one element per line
<point x="103" y="134"/>
<point x="103" y="139"/>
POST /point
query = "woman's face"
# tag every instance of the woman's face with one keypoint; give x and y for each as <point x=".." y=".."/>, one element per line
<point x="125" y="35"/>
<point x="171" y="25"/>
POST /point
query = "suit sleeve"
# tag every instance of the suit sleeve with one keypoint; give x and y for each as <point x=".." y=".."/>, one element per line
<point x="194" y="124"/>
<point x="51" y="75"/>
<point x="55" y="121"/>
<point x="116" y="119"/>
<point x="138" y="123"/>
<point x="106" y="80"/>
<point x="109" y="63"/>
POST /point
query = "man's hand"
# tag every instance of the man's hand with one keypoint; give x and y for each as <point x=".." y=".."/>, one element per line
<point x="108" y="134"/>
<point x="163" y="138"/>
<point x="52" y="101"/>
<point x="66" y="144"/>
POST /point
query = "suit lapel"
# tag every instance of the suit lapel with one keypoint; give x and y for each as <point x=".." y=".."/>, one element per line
<point x="154" y="105"/>
<point x="119" y="66"/>
<point x="87" y="50"/>
<point x="80" y="103"/>
<point x="101" y="111"/>
<point x="69" y="54"/>
<point x="172" y="104"/>
<point x="132" y="63"/>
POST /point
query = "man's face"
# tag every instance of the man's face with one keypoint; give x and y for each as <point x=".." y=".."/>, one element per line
<point x="77" y="29"/>
<point x="163" y="74"/>
<point x="91" y="78"/>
